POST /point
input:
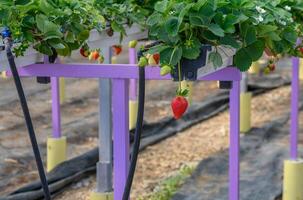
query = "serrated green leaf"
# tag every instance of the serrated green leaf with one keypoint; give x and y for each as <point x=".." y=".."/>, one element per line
<point x="216" y="30"/>
<point x="216" y="59"/>
<point x="242" y="60"/>
<point x="230" y="41"/>
<point x="172" y="26"/>
<point x="171" y="56"/>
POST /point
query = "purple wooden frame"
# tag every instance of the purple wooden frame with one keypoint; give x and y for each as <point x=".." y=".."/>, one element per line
<point x="120" y="75"/>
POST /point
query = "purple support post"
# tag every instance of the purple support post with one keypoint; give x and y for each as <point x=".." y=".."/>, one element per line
<point x="56" y="117"/>
<point x="120" y="95"/>
<point x="55" y="93"/>
<point x="294" y="118"/>
<point x="133" y="82"/>
<point x="234" y="145"/>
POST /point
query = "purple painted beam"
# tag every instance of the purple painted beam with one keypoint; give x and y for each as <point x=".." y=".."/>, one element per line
<point x="294" y="118"/>
<point x="122" y="71"/>
<point x="133" y="82"/>
<point x="120" y="95"/>
<point x="234" y="146"/>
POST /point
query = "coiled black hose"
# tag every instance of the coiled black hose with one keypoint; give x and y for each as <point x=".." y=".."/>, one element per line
<point x="27" y="118"/>
<point x="138" y="133"/>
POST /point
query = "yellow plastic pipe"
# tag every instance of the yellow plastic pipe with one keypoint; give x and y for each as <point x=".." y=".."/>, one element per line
<point x="254" y="68"/>
<point x="301" y="69"/>
<point x="133" y="111"/>
<point x="62" y="89"/>
<point x="245" y="112"/>
<point x="3" y="75"/>
<point x="56" y="152"/>
<point x="293" y="180"/>
<point x="101" y="196"/>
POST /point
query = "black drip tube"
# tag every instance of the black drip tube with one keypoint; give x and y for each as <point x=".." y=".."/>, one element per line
<point x="27" y="118"/>
<point x="138" y="133"/>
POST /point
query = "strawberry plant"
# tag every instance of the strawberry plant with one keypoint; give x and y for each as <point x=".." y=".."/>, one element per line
<point x="50" y="26"/>
<point x="59" y="27"/>
<point x="250" y="27"/>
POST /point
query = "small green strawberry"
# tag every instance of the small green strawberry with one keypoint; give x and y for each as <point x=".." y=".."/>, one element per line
<point x="165" y="69"/>
<point x="132" y="44"/>
<point x="143" y="61"/>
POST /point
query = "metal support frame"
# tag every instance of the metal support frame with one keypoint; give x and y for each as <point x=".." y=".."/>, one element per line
<point x="120" y="75"/>
<point x="104" y="166"/>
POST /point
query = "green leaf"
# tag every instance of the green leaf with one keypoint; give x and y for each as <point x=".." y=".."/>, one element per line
<point x="161" y="6"/>
<point x="154" y="19"/>
<point x="290" y="35"/>
<point x="47" y="27"/>
<point x="43" y="48"/>
<point x="216" y="59"/>
<point x="264" y="30"/>
<point x="255" y="50"/>
<point x="157" y="49"/>
<point x="56" y="43"/>
<point x="242" y="60"/>
<point x="216" y="29"/>
<point x="193" y="51"/>
<point x="83" y="35"/>
<point x="230" y="41"/>
<point x="245" y="56"/>
<point x="172" y="26"/>
<point x="171" y="56"/>
<point x="251" y="35"/>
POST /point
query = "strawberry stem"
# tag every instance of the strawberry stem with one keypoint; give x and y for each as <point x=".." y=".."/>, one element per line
<point x="179" y="74"/>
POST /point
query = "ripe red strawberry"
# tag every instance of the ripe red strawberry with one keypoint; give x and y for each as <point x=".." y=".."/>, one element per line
<point x="84" y="52"/>
<point x="272" y="67"/>
<point x="301" y="49"/>
<point x="179" y="105"/>
<point x="94" y="55"/>
<point x="156" y="58"/>
<point x="117" y="49"/>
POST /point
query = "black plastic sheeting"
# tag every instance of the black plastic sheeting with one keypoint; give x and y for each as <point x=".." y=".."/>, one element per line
<point x="263" y="151"/>
<point x="262" y="154"/>
<point x="75" y="169"/>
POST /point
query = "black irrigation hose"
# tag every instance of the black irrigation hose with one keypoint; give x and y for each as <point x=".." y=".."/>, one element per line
<point x="138" y="131"/>
<point x="27" y="118"/>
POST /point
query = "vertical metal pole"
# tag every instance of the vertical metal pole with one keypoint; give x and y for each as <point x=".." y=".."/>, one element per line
<point x="133" y="82"/>
<point x="294" y="118"/>
<point x="56" y="115"/>
<point x="234" y="146"/>
<point x="244" y="82"/>
<point x="121" y="135"/>
<point x="104" y="166"/>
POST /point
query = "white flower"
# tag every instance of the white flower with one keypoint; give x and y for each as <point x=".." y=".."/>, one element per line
<point x="260" y="18"/>
<point x="260" y="10"/>
<point x="282" y="22"/>
<point x="287" y="8"/>
<point x="172" y="12"/>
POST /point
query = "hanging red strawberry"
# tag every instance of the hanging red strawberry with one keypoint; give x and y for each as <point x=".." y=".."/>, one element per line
<point x="84" y="52"/>
<point x="94" y="55"/>
<point x="157" y="58"/>
<point x="179" y="105"/>
<point x="117" y="49"/>
<point x="272" y="67"/>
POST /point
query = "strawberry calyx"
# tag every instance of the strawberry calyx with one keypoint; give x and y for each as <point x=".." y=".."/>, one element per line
<point x="182" y="92"/>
